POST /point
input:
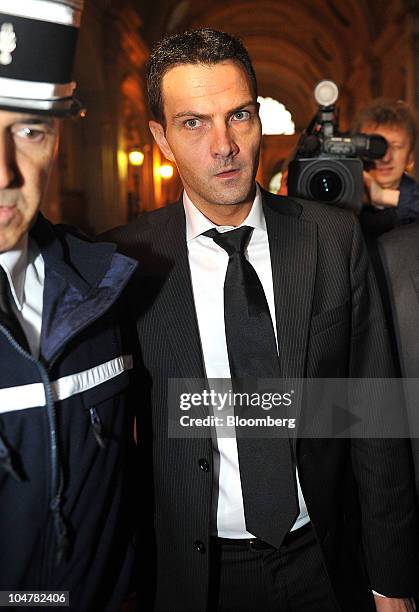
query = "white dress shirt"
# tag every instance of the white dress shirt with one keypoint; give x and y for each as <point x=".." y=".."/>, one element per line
<point x="208" y="263"/>
<point x="24" y="267"/>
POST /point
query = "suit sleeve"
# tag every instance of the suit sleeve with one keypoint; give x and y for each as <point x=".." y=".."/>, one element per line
<point x="382" y="467"/>
<point x="408" y="208"/>
<point x="375" y="221"/>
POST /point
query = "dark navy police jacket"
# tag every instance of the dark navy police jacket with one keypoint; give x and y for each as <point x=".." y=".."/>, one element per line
<point x="66" y="448"/>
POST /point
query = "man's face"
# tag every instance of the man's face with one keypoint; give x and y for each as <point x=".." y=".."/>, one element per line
<point x="27" y="148"/>
<point x="389" y="170"/>
<point x="213" y="132"/>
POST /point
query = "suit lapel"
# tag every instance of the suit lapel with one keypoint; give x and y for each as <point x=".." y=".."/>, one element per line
<point x="176" y="298"/>
<point x="293" y="249"/>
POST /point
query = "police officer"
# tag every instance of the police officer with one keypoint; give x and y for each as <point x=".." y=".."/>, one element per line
<point x="66" y="522"/>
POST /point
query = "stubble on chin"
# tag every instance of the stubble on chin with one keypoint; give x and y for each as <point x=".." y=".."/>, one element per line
<point x="233" y="194"/>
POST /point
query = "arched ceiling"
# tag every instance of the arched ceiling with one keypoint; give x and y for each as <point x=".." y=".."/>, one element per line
<point x="293" y="45"/>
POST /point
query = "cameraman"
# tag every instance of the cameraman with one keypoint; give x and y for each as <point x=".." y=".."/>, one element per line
<point x="393" y="194"/>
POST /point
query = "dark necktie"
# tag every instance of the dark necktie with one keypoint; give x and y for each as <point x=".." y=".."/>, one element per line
<point x="266" y="466"/>
<point x="7" y="316"/>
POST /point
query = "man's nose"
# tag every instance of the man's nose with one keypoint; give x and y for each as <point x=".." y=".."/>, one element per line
<point x="7" y="172"/>
<point x="223" y="143"/>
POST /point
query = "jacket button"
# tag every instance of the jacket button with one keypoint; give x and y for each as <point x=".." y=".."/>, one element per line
<point x="200" y="546"/>
<point x="204" y="465"/>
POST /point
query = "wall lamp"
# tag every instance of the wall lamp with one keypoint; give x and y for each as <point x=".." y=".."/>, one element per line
<point x="166" y="171"/>
<point x="136" y="157"/>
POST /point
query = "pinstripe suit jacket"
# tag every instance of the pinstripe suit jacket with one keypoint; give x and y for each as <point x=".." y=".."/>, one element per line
<point x="399" y="284"/>
<point x="330" y="324"/>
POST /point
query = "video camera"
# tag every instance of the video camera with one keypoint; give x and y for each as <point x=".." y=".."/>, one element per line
<point x="328" y="165"/>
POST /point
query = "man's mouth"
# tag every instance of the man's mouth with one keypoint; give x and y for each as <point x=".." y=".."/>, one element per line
<point x="226" y="174"/>
<point x="384" y="169"/>
<point x="7" y="211"/>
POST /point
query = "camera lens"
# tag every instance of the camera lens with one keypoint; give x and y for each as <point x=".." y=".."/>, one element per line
<point x="326" y="186"/>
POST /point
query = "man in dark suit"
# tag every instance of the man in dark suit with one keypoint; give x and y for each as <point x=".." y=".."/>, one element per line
<point x="228" y="276"/>
<point x="398" y="277"/>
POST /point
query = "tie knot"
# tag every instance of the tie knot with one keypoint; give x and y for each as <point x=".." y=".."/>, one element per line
<point x="234" y="241"/>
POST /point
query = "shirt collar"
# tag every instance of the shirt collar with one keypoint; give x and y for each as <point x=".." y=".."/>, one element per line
<point x="197" y="223"/>
<point x="14" y="263"/>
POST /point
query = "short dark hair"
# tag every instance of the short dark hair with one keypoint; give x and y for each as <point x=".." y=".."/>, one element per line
<point x="385" y="111"/>
<point x="203" y="46"/>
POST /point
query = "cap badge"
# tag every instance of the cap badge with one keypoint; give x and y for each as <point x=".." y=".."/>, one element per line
<point x="7" y="43"/>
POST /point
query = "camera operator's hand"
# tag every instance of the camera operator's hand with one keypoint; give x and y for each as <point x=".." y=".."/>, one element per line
<point x="378" y="196"/>
<point x="389" y="604"/>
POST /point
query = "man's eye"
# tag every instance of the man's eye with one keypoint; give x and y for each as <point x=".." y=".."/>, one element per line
<point x="30" y="134"/>
<point x="192" y="124"/>
<point x="241" y="116"/>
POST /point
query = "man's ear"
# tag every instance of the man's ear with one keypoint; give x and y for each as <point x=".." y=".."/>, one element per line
<point x="410" y="161"/>
<point x="57" y="131"/>
<point x="159" y="136"/>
